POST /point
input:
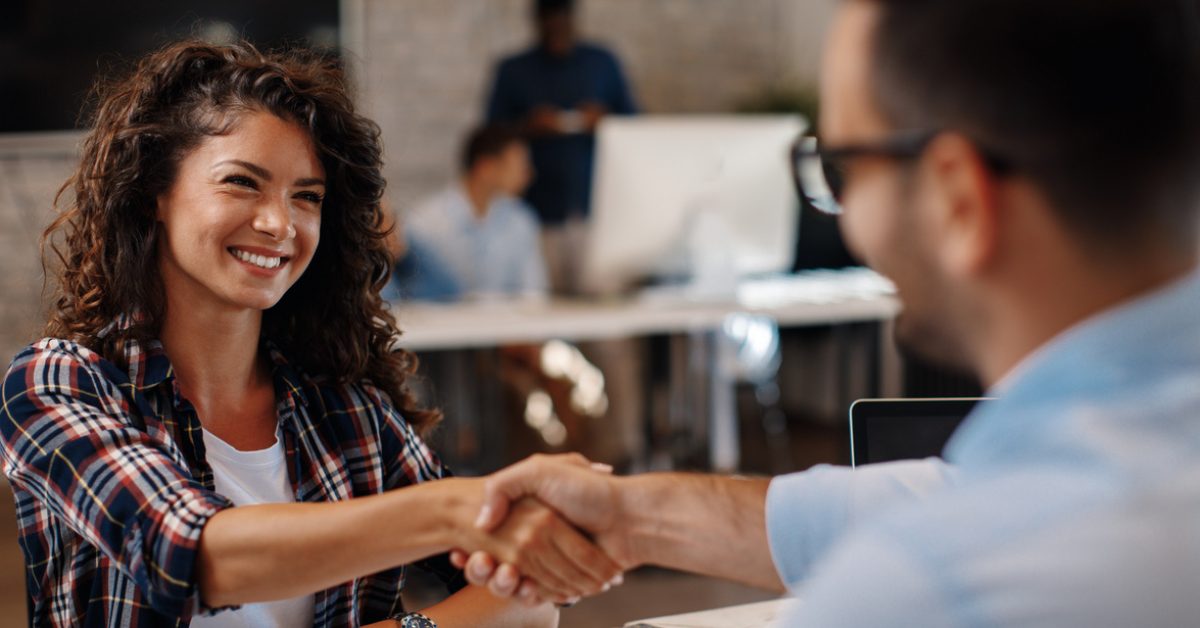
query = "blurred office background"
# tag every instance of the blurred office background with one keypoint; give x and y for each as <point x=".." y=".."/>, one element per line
<point x="423" y="69"/>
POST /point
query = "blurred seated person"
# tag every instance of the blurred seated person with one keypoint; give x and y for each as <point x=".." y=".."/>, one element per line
<point x="418" y="275"/>
<point x="476" y="239"/>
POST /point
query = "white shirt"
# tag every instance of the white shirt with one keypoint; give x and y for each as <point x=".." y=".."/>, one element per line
<point x="254" y="477"/>
<point x="1071" y="500"/>
<point x="498" y="255"/>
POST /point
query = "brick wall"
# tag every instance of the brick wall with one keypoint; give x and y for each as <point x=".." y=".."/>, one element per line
<point x="423" y="66"/>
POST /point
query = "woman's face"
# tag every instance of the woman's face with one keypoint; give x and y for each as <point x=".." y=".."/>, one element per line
<point x="242" y="219"/>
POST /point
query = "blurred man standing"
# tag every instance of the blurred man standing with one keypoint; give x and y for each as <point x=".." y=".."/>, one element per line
<point x="556" y="93"/>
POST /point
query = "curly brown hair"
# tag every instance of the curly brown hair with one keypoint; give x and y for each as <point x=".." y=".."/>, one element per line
<point x="332" y="322"/>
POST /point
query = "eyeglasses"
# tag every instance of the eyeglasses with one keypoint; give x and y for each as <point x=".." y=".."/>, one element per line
<point x="820" y="172"/>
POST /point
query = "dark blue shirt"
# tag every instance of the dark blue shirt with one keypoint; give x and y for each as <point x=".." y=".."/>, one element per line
<point x="563" y="184"/>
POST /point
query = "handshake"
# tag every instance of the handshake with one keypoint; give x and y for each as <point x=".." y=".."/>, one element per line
<point x="558" y="528"/>
<point x="547" y="529"/>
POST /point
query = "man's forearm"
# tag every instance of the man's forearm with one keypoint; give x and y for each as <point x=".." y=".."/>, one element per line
<point x="704" y="524"/>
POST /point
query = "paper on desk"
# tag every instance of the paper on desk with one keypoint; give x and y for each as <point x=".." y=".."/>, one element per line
<point x="758" y="615"/>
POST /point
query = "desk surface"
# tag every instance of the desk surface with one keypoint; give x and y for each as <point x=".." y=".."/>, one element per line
<point x="822" y="298"/>
<point x="758" y="615"/>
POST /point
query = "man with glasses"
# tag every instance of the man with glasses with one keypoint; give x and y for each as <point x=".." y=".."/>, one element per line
<point x="1028" y="173"/>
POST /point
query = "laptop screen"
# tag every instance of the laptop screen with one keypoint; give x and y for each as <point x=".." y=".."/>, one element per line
<point x="883" y="430"/>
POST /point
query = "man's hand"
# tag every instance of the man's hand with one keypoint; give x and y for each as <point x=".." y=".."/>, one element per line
<point x="559" y="562"/>
<point x="592" y="113"/>
<point x="582" y="493"/>
<point x="543" y="120"/>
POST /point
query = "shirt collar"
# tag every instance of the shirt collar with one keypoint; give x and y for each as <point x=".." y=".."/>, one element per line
<point x="464" y="210"/>
<point x="289" y="382"/>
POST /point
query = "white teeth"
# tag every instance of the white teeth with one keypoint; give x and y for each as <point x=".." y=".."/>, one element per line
<point x="258" y="260"/>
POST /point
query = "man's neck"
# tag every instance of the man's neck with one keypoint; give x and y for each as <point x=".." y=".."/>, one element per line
<point x="480" y="195"/>
<point x="1023" y="322"/>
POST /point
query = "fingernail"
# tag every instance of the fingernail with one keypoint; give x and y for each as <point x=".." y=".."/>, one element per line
<point x="485" y="515"/>
<point x="606" y="587"/>
<point x="618" y="580"/>
<point x="504" y="578"/>
<point x="601" y="467"/>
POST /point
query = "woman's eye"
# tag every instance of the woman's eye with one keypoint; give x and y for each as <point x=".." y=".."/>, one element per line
<point x="312" y="197"/>
<point x="241" y="181"/>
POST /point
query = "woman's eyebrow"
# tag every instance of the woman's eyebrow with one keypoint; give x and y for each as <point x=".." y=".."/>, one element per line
<point x="255" y="168"/>
<point x="266" y="174"/>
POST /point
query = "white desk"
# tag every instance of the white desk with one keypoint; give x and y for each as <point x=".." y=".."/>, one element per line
<point x="829" y="298"/>
<point x="758" y="615"/>
<point x="808" y="299"/>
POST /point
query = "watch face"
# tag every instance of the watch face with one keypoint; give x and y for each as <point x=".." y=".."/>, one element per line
<point x="417" y="620"/>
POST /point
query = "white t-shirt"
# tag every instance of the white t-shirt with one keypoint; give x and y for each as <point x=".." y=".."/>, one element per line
<point x="254" y="477"/>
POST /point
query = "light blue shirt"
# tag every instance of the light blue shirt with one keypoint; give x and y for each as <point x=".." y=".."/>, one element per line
<point x="497" y="255"/>
<point x="1072" y="500"/>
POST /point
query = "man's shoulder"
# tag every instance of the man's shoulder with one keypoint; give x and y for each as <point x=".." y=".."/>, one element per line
<point x="436" y="211"/>
<point x="595" y="50"/>
<point x="517" y="213"/>
<point x="517" y="59"/>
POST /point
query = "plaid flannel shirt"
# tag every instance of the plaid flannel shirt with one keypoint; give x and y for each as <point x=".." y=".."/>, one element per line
<point x="112" y="488"/>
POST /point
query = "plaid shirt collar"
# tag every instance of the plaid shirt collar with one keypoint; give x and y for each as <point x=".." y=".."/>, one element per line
<point x="149" y="367"/>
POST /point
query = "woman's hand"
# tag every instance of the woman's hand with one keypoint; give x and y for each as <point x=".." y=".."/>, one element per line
<point x="582" y="492"/>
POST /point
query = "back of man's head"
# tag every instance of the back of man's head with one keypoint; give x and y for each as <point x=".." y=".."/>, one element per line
<point x="1096" y="101"/>
<point x="543" y="8"/>
<point x="486" y="142"/>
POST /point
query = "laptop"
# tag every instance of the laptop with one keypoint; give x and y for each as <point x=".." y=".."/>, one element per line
<point x="884" y="430"/>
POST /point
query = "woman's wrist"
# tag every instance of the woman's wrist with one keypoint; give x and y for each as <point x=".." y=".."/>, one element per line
<point x="458" y="503"/>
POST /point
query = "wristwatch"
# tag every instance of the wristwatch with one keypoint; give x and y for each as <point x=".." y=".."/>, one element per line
<point x="414" y="620"/>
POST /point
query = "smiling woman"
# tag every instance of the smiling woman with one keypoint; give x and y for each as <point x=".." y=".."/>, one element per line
<point x="157" y="138"/>
<point x="216" y="417"/>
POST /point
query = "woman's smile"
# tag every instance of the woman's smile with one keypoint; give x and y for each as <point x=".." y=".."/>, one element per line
<point x="259" y="261"/>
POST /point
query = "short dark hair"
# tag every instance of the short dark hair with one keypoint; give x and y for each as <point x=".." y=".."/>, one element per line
<point x="1096" y="101"/>
<point x="542" y="8"/>
<point x="487" y="141"/>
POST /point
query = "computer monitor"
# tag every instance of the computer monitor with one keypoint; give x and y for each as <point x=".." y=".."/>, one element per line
<point x="706" y="198"/>
<point x="886" y="430"/>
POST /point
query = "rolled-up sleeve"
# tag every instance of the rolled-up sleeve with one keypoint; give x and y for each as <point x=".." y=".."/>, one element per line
<point x="71" y="441"/>
<point x="808" y="512"/>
